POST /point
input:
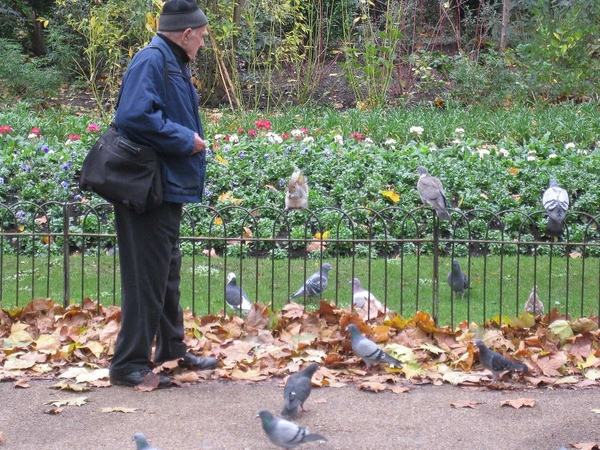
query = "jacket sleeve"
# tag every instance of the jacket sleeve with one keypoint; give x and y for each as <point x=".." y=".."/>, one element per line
<point x="140" y="114"/>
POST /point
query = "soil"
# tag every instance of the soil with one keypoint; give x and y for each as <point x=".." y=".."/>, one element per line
<point x="214" y="415"/>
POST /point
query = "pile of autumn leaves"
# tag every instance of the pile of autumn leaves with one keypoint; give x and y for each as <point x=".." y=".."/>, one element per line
<point x="74" y="347"/>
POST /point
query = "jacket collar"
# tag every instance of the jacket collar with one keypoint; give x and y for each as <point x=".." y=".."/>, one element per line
<point x="180" y="54"/>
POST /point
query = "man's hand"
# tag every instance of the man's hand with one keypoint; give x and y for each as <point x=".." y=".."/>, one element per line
<point x="199" y="144"/>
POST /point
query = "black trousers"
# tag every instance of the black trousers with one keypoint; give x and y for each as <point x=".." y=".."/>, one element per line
<point x="150" y="262"/>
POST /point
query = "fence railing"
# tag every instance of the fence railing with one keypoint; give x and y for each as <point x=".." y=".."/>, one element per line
<point x="68" y="252"/>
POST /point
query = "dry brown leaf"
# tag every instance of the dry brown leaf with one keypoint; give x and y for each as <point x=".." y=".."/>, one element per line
<point x="187" y="377"/>
<point x="151" y="382"/>
<point x="519" y="402"/>
<point x="22" y="383"/>
<point x="372" y="386"/>
<point x="120" y="409"/>
<point x="399" y="389"/>
<point x="465" y="404"/>
<point x="549" y="364"/>
<point x="54" y="411"/>
<point x="586" y="445"/>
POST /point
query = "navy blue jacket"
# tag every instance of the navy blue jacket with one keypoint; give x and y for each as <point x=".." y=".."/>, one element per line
<point x="166" y="121"/>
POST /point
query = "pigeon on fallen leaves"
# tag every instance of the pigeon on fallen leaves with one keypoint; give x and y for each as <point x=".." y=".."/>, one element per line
<point x="285" y="434"/>
<point x="360" y="295"/>
<point x="296" y="196"/>
<point x="141" y="443"/>
<point x="495" y="362"/>
<point x="315" y="284"/>
<point x="368" y="351"/>
<point x="457" y="279"/>
<point x="533" y="305"/>
<point x="556" y="203"/>
<point x="432" y="192"/>
<point x="297" y="389"/>
<point x="235" y="296"/>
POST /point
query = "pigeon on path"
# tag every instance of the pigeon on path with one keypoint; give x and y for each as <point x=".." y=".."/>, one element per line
<point x="297" y="389"/>
<point x="556" y="203"/>
<point x="457" y="279"/>
<point x="141" y="443"/>
<point x="235" y="296"/>
<point x="533" y="305"/>
<point x="315" y="284"/>
<point x="432" y="192"/>
<point x="368" y="351"/>
<point x="360" y="295"/>
<point x="285" y="434"/>
<point x="495" y="362"/>
<point x="296" y="196"/>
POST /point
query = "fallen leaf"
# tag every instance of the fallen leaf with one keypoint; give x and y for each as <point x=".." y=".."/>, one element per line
<point x="596" y="411"/>
<point x="54" y="411"/>
<point x="465" y="404"/>
<point x="372" y="386"/>
<point x="519" y="402"/>
<point x="22" y="383"/>
<point x="585" y="445"/>
<point x="73" y="401"/>
<point x="121" y="409"/>
<point x="151" y="382"/>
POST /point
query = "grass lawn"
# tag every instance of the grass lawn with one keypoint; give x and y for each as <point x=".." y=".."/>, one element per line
<point x="500" y="285"/>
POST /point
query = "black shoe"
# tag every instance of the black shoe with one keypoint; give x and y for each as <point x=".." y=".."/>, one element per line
<point x="137" y="377"/>
<point x="194" y="362"/>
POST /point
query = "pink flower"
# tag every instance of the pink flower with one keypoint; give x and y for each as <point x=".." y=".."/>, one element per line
<point x="285" y="135"/>
<point x="226" y="138"/>
<point x="240" y="130"/>
<point x="263" y="124"/>
<point x="304" y="130"/>
<point x="4" y="129"/>
<point x="74" y="137"/>
<point x="35" y="131"/>
<point x="252" y="133"/>
<point x="357" y="136"/>
<point x="93" y="127"/>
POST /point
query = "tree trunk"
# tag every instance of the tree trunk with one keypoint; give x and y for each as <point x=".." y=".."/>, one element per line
<point x="38" y="43"/>
<point x="506" y="6"/>
<point x="237" y="19"/>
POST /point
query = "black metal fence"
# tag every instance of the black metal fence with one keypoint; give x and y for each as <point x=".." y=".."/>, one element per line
<point x="68" y="252"/>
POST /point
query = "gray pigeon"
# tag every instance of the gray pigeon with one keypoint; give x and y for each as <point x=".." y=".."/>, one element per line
<point x="315" y="284"/>
<point x="432" y="192"/>
<point x="495" y="362"/>
<point x="457" y="279"/>
<point x="556" y="203"/>
<point x="141" y="443"/>
<point x="533" y="305"/>
<point x="297" y="389"/>
<point x="367" y="350"/>
<point x="360" y="295"/>
<point x="285" y="434"/>
<point x="235" y="296"/>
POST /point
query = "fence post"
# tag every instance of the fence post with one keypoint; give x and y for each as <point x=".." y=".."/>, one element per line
<point x="436" y="296"/>
<point x="66" y="257"/>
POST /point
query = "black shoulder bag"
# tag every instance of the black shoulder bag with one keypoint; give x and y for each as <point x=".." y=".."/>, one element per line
<point x="122" y="171"/>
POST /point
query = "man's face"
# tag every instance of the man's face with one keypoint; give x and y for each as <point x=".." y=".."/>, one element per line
<point x="193" y="40"/>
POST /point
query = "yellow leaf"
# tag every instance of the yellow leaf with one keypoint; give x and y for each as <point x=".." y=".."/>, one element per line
<point x="95" y="347"/>
<point x="391" y="195"/>
<point x="513" y="171"/>
<point x="222" y="160"/>
<point x="325" y="235"/>
<point x="218" y="221"/>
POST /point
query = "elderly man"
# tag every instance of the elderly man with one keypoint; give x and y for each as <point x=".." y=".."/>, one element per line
<point x="162" y="113"/>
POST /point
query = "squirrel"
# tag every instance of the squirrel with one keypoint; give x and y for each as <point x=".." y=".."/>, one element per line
<point x="296" y="196"/>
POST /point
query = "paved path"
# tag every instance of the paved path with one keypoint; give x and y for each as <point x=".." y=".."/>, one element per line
<point x="215" y="415"/>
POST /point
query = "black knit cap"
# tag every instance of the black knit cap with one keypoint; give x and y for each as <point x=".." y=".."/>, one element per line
<point x="178" y="15"/>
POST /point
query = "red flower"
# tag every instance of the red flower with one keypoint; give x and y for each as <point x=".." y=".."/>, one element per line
<point x="35" y="130"/>
<point x="240" y="130"/>
<point x="357" y="136"/>
<point x="4" y="129"/>
<point x="263" y="124"/>
<point x="285" y="135"/>
<point x="252" y="133"/>
<point x="74" y="137"/>
<point x="226" y="138"/>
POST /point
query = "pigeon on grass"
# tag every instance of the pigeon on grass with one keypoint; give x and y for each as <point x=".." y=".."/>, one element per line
<point x="235" y="296"/>
<point x="141" y="442"/>
<point x="556" y="203"/>
<point x="285" y="434"/>
<point x="533" y="305"/>
<point x="368" y="351"/>
<point x="297" y="389"/>
<point x="432" y="192"/>
<point x="457" y="279"/>
<point x="495" y="362"/>
<point x="315" y="284"/>
<point x="360" y="296"/>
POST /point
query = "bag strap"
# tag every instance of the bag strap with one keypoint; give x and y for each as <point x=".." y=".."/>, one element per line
<point x="165" y="70"/>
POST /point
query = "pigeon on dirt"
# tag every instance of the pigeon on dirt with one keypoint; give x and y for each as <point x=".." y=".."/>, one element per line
<point x="432" y="192"/>
<point x="297" y="389"/>
<point x="368" y="351"/>
<point x="296" y="196"/>
<point x="141" y="442"/>
<point x="457" y="279"/>
<point x="495" y="362"/>
<point x="315" y="284"/>
<point x="533" y="305"/>
<point x="360" y="295"/>
<point x="556" y="203"/>
<point x="285" y="434"/>
<point x="235" y="296"/>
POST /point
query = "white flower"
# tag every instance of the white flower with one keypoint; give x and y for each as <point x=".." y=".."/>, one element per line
<point x="456" y="141"/>
<point x="552" y="156"/>
<point x="338" y="139"/>
<point x="483" y="152"/>
<point x="390" y="142"/>
<point x="433" y="148"/>
<point x="368" y="142"/>
<point x="460" y="131"/>
<point x="503" y="152"/>
<point x="582" y="151"/>
<point x="308" y="140"/>
<point x="219" y="136"/>
<point x="531" y="158"/>
<point x="569" y="145"/>
<point x="532" y="153"/>
<point x="234" y="139"/>
<point x="273" y="138"/>
<point x="416" y="130"/>
<point x="296" y="133"/>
